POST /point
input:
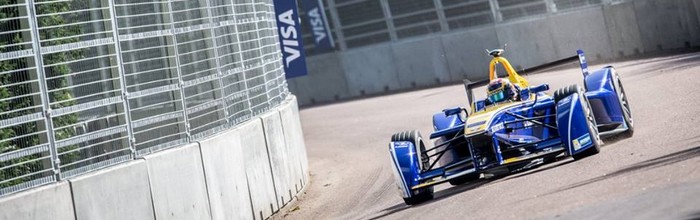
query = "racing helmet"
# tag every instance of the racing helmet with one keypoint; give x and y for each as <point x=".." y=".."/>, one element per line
<point x="500" y="90"/>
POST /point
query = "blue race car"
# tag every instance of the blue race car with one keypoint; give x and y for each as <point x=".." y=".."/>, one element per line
<point x="517" y="126"/>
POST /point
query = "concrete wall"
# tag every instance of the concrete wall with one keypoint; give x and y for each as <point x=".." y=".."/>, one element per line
<point x="48" y="202"/>
<point x="291" y="124"/>
<point x="110" y="193"/>
<point x="605" y="32"/>
<point x="369" y="70"/>
<point x="177" y="184"/>
<point x="466" y="59"/>
<point x="247" y="172"/>
<point x="420" y="69"/>
<point x="318" y="86"/>
<point x="257" y="169"/>
<point x="224" y="171"/>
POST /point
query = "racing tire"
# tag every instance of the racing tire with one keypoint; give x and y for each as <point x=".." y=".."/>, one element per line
<point x="419" y="198"/>
<point x="414" y="137"/>
<point x="590" y="122"/>
<point x="562" y="93"/>
<point x="624" y="105"/>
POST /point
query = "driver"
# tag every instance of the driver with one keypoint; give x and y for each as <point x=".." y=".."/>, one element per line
<point x="501" y="90"/>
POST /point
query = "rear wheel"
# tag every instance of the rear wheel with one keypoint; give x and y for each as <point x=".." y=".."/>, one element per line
<point x="590" y="119"/>
<point x="424" y="194"/>
<point x="624" y="105"/>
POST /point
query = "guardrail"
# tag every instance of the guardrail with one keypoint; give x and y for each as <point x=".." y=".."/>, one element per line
<point x="87" y="84"/>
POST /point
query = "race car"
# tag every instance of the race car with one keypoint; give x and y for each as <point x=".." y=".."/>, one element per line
<point x="517" y="126"/>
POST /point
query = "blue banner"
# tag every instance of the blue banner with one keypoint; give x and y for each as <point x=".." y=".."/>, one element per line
<point x="293" y="57"/>
<point x="319" y="24"/>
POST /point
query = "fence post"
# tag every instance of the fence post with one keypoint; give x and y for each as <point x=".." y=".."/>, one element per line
<point x="122" y="79"/>
<point x="389" y="20"/>
<point x="441" y="15"/>
<point x="340" y="37"/>
<point x="551" y="7"/>
<point x="181" y="83"/>
<point x="495" y="11"/>
<point x="242" y="68"/>
<point x="219" y="73"/>
<point x="43" y="90"/>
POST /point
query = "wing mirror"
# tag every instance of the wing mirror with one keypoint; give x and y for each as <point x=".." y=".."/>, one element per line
<point x="540" y="88"/>
<point x="525" y="93"/>
<point x="455" y="111"/>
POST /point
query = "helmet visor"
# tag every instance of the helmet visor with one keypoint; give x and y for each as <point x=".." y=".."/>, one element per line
<point x="497" y="96"/>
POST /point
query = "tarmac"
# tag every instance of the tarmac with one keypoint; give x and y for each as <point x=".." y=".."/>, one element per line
<point x="653" y="175"/>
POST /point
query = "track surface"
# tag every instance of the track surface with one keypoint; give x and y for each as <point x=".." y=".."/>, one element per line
<point x="653" y="175"/>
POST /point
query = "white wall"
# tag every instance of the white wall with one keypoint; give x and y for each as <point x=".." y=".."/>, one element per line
<point x="228" y="176"/>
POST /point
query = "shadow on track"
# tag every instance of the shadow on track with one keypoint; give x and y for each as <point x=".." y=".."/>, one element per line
<point x="440" y="195"/>
<point x="648" y="164"/>
<point x="528" y="172"/>
<point x="693" y="216"/>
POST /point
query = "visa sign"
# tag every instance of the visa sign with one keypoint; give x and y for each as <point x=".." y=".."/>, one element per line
<point x="317" y="21"/>
<point x="293" y="56"/>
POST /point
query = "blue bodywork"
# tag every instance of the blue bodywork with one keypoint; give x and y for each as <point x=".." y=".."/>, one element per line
<point x="404" y="157"/>
<point x="600" y="92"/>
<point x="517" y="135"/>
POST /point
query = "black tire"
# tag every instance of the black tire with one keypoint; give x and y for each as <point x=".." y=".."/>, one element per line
<point x="624" y="104"/>
<point x="464" y="179"/>
<point x="562" y="93"/>
<point x="590" y="122"/>
<point x="414" y="137"/>
<point x="420" y="198"/>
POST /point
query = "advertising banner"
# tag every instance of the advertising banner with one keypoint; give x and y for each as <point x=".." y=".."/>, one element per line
<point x="319" y="24"/>
<point x="293" y="57"/>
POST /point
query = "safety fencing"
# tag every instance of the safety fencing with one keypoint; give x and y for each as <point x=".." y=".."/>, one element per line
<point x="87" y="84"/>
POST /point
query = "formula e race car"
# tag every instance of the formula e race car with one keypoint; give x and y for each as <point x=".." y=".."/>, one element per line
<point x="517" y="126"/>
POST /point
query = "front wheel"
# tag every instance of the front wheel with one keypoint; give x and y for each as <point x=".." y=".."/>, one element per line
<point x="590" y="118"/>
<point x="624" y="105"/>
<point x="422" y="163"/>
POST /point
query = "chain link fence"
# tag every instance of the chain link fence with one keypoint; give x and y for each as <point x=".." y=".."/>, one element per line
<point x="86" y="84"/>
<point x="356" y="23"/>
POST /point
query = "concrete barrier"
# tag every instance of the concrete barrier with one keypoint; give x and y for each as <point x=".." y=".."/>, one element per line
<point x="47" y="202"/>
<point x="466" y="59"/>
<point x="280" y="157"/>
<point x="369" y="70"/>
<point x="294" y="136"/>
<point x="664" y="24"/>
<point x="622" y="28"/>
<point x="177" y="184"/>
<point x="224" y="171"/>
<point x="530" y="42"/>
<point x="326" y="69"/>
<point x="581" y="29"/>
<point x="248" y="172"/>
<point x="119" y="192"/>
<point x="257" y="169"/>
<point x="420" y="63"/>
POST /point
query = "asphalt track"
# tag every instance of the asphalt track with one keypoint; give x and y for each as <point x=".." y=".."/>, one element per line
<point x="653" y="175"/>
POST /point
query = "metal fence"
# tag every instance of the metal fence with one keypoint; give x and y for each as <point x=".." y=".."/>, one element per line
<point x="86" y="84"/>
<point x="356" y="23"/>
